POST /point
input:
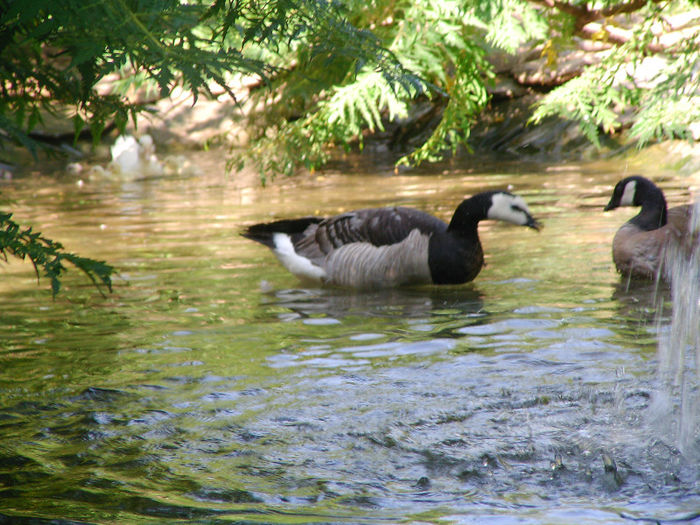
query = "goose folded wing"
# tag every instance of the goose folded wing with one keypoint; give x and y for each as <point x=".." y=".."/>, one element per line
<point x="679" y="217"/>
<point x="376" y="226"/>
<point x="684" y="228"/>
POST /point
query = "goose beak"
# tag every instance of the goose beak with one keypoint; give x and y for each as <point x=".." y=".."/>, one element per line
<point x="533" y="223"/>
<point x="610" y="206"/>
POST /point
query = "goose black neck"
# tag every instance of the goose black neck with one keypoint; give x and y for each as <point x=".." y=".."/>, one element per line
<point x="468" y="214"/>
<point x="653" y="203"/>
<point x="454" y="258"/>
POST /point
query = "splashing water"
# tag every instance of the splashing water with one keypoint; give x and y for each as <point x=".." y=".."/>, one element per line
<point x="675" y="409"/>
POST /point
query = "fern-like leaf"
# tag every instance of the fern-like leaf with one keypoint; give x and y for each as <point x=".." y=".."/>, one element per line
<point x="48" y="255"/>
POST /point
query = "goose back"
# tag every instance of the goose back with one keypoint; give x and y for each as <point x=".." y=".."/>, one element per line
<point x="376" y="226"/>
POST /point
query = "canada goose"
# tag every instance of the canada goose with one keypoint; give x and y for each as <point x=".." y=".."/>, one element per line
<point x="386" y="247"/>
<point x="640" y="245"/>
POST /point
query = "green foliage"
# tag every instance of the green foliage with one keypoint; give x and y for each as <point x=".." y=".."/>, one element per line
<point x="443" y="42"/>
<point x="332" y="72"/>
<point x="670" y="105"/>
<point x="48" y="255"/>
<point x="510" y="23"/>
<point x="449" y="58"/>
<point x="53" y="54"/>
<point x="655" y="89"/>
<point x="588" y="100"/>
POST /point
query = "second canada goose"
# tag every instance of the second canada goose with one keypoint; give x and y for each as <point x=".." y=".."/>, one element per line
<point x="386" y="247"/>
<point x="639" y="246"/>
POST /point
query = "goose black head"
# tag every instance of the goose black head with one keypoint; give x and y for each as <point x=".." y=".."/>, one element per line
<point x="639" y="191"/>
<point x="634" y="191"/>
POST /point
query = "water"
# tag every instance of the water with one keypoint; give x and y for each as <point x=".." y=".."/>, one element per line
<point x="211" y="387"/>
<point x="675" y="404"/>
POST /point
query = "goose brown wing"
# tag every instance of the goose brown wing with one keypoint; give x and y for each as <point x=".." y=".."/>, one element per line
<point x="685" y="228"/>
<point x="376" y="226"/>
<point x="679" y="216"/>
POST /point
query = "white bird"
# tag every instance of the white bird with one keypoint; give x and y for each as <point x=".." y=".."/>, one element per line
<point x="132" y="156"/>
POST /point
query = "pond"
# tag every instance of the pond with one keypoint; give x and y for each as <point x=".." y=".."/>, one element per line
<point x="213" y="387"/>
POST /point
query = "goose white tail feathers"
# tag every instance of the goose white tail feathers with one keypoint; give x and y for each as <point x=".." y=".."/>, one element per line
<point x="386" y="247"/>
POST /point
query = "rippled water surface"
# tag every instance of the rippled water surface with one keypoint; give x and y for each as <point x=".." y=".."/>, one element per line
<point x="210" y="386"/>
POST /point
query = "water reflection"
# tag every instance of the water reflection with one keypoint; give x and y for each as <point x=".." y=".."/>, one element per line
<point x="211" y="387"/>
<point x="390" y="303"/>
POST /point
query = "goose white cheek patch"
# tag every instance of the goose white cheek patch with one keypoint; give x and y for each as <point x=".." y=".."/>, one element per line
<point x="509" y="208"/>
<point x="627" y="198"/>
